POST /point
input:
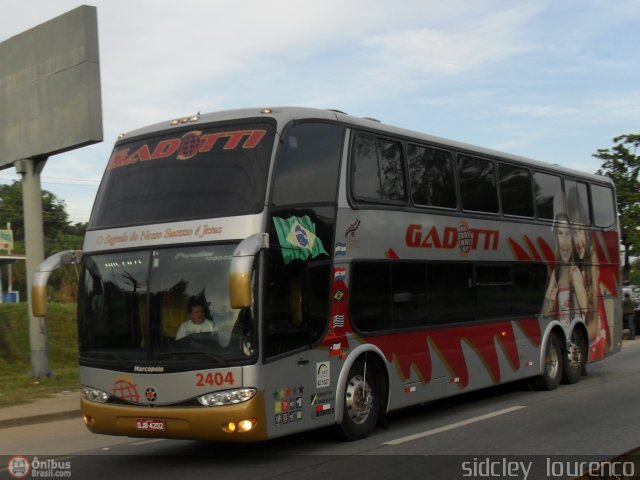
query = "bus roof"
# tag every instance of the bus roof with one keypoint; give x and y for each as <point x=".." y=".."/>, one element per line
<point x="284" y="115"/>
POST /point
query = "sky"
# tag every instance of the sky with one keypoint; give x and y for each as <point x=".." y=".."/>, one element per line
<point x="545" y="79"/>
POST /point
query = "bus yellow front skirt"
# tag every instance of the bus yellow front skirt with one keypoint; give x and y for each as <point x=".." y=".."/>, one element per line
<point x="197" y="423"/>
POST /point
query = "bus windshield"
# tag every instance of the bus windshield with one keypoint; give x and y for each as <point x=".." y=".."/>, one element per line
<point x="169" y="306"/>
<point x="209" y="172"/>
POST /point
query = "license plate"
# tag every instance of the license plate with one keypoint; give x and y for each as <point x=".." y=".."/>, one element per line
<point x="152" y="424"/>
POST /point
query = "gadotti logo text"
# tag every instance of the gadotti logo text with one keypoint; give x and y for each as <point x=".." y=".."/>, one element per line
<point x="462" y="237"/>
<point x="186" y="147"/>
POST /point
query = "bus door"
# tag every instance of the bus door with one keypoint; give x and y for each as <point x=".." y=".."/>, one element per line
<point x="296" y="375"/>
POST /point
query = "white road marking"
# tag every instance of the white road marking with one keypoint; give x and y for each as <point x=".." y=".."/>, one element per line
<point x="452" y="426"/>
<point x="145" y="442"/>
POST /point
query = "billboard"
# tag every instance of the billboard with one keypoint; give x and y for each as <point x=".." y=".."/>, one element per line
<point x="50" y="88"/>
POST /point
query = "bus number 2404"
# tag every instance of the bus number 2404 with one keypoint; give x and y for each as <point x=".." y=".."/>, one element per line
<point x="217" y="378"/>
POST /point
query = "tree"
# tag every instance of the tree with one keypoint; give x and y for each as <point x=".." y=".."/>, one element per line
<point x="58" y="231"/>
<point x="634" y="276"/>
<point x="622" y="164"/>
<point x="54" y="214"/>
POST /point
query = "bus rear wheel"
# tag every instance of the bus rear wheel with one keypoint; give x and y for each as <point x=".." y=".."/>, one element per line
<point x="361" y="403"/>
<point x="553" y="365"/>
<point x="575" y="361"/>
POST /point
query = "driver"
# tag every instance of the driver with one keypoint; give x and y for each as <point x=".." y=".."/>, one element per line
<point x="197" y="321"/>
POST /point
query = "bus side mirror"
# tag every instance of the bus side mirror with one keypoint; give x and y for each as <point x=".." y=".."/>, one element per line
<point x="240" y="278"/>
<point x="41" y="277"/>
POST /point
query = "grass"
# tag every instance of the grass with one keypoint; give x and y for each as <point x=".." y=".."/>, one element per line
<point x="17" y="385"/>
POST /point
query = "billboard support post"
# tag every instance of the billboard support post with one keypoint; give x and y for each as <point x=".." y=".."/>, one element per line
<point x="30" y="170"/>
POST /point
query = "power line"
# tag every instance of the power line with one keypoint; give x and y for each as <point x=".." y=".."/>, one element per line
<point x="59" y="180"/>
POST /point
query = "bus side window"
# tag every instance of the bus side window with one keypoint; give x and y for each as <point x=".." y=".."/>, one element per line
<point x="604" y="207"/>
<point x="545" y="187"/>
<point x="378" y="174"/>
<point x="307" y="168"/>
<point x="478" y="189"/>
<point x="371" y="297"/>
<point x="409" y="290"/>
<point x="432" y="177"/>
<point x="515" y="190"/>
<point x="450" y="290"/>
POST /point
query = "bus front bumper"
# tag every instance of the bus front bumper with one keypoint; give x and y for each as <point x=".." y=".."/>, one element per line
<point x="223" y="424"/>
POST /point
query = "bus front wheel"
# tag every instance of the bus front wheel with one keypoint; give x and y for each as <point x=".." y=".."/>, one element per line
<point x="553" y="365"/>
<point x="361" y="403"/>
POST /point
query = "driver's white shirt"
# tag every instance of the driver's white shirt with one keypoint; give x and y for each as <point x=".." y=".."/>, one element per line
<point x="188" y="328"/>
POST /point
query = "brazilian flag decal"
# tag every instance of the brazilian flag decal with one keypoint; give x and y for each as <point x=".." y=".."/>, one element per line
<point x="297" y="237"/>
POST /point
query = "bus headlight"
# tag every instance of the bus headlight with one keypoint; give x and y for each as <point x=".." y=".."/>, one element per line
<point x="94" y="395"/>
<point x="227" y="397"/>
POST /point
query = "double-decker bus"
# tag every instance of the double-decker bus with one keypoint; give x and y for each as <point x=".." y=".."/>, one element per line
<point x="249" y="274"/>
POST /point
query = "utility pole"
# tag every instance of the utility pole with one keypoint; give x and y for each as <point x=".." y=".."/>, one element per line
<point x="9" y="271"/>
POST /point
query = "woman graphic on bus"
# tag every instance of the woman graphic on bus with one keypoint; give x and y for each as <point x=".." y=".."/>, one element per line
<point x="566" y="296"/>
<point x="587" y="262"/>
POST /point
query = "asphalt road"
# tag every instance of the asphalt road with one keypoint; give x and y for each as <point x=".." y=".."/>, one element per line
<point x="504" y="432"/>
